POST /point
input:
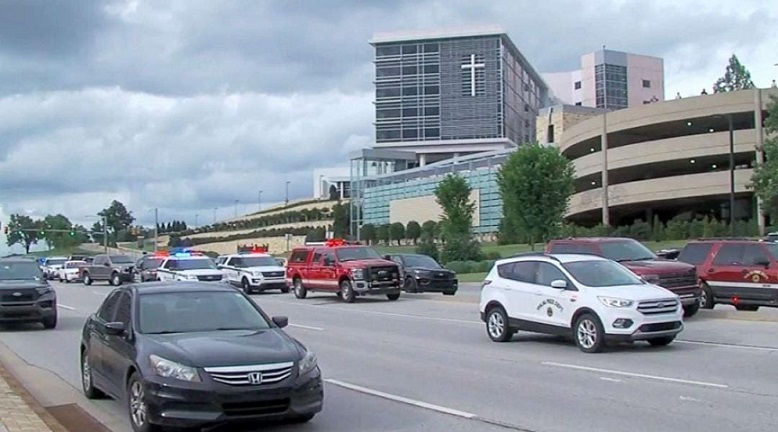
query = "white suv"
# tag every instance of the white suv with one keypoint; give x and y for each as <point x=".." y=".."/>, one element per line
<point x="593" y="299"/>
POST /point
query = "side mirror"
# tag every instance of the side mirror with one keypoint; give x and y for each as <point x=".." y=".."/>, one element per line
<point x="388" y="257"/>
<point x="281" y="321"/>
<point x="559" y="284"/>
<point x="763" y="263"/>
<point x="107" y="264"/>
<point x="115" y="328"/>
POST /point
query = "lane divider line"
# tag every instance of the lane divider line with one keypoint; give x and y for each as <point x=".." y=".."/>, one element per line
<point x="66" y="307"/>
<point x="727" y="345"/>
<point x="635" y="375"/>
<point x="306" y="327"/>
<point x="403" y="400"/>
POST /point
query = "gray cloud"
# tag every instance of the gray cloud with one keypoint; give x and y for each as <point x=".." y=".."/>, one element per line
<point x="189" y="105"/>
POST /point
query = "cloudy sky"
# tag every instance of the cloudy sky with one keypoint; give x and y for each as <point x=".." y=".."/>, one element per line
<point x="189" y="105"/>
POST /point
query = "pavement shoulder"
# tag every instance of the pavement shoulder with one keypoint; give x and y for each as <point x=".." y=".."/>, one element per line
<point x="19" y="411"/>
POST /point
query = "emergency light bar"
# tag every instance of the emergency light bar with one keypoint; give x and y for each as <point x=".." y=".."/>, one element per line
<point x="335" y="242"/>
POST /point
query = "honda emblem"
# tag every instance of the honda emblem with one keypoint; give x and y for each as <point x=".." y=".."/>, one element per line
<point x="255" y="378"/>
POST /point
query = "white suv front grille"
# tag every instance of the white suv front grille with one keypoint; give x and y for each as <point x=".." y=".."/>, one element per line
<point x="655" y="307"/>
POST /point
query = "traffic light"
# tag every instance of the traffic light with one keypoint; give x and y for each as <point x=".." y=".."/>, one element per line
<point x="43" y="232"/>
<point x="72" y="233"/>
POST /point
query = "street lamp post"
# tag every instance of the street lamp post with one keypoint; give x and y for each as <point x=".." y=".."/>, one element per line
<point x="196" y="217"/>
<point x="259" y="201"/>
<point x="236" y="209"/>
<point x="286" y="202"/>
<point x="731" y="125"/>
<point x="214" y="214"/>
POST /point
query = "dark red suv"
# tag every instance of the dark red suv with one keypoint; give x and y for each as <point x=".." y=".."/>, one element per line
<point x="739" y="272"/>
<point x="675" y="276"/>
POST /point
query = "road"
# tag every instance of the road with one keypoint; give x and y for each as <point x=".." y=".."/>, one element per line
<point x="424" y="363"/>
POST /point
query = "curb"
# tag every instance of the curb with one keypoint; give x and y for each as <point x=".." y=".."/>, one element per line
<point x="21" y="391"/>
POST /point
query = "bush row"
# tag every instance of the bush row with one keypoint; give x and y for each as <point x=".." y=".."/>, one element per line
<point x="302" y="231"/>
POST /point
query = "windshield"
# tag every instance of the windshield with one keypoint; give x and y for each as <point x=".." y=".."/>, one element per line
<point x="356" y="253"/>
<point x="601" y="273"/>
<point x="121" y="259"/>
<point x="626" y="250"/>
<point x="259" y="261"/>
<point x="195" y="264"/>
<point x="74" y="264"/>
<point x="55" y="261"/>
<point x="186" y="312"/>
<point x="773" y="248"/>
<point x="20" y="271"/>
<point x="423" y="261"/>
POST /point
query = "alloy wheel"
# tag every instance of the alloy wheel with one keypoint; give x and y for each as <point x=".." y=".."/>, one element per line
<point x="496" y="325"/>
<point x="587" y="333"/>
<point x="137" y="404"/>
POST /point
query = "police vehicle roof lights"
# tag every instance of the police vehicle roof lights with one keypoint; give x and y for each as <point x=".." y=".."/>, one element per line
<point x="254" y="250"/>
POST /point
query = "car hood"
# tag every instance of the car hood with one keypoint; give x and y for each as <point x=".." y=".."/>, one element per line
<point x="431" y="270"/>
<point x="226" y="348"/>
<point x="658" y="267"/>
<point x="21" y="284"/>
<point x="266" y="269"/>
<point x="639" y="292"/>
<point x="201" y="272"/>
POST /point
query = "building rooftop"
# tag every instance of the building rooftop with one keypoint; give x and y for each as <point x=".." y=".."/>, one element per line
<point x="462" y="32"/>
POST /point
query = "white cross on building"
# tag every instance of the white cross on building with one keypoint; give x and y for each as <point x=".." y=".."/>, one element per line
<point x="472" y="66"/>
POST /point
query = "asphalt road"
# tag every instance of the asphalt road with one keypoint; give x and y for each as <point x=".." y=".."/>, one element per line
<point x="424" y="363"/>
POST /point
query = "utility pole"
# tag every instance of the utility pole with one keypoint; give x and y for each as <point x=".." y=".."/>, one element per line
<point x="214" y="214"/>
<point x="196" y="216"/>
<point x="259" y="201"/>
<point x="105" y="233"/>
<point x="286" y="202"/>
<point x="156" y="228"/>
<point x="236" y="209"/>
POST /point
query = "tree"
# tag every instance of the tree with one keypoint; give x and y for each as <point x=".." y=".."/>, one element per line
<point x="368" y="233"/>
<point x="453" y="196"/>
<point x="382" y="233"/>
<point x="397" y="232"/>
<point x="117" y="217"/>
<point x="765" y="178"/>
<point x="736" y="77"/>
<point x="413" y="231"/>
<point x="341" y="220"/>
<point x="334" y="195"/>
<point x="535" y="183"/>
<point x="23" y="231"/>
<point x="429" y="230"/>
<point x="61" y="238"/>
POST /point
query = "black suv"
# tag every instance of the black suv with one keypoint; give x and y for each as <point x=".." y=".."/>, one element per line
<point x="25" y="294"/>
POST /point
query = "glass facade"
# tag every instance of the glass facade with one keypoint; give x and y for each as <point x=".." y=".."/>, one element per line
<point x="455" y="89"/>
<point x="480" y="172"/>
<point x="611" y="86"/>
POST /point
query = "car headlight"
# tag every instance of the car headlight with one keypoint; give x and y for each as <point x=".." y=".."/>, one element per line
<point x="190" y="277"/>
<point x="615" y="302"/>
<point x="308" y="363"/>
<point x="44" y="290"/>
<point x="651" y="278"/>
<point x="170" y="369"/>
<point x="256" y="274"/>
<point x="358" y="273"/>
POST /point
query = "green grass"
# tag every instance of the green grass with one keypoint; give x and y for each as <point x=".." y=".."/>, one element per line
<point x="471" y="277"/>
<point x="75" y="250"/>
<point x="508" y="250"/>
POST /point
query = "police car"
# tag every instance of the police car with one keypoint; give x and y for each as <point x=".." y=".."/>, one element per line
<point x="253" y="270"/>
<point x="188" y="266"/>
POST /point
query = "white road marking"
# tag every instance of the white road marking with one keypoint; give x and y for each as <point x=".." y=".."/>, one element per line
<point x="724" y="345"/>
<point x="610" y="379"/>
<point x="403" y="400"/>
<point x="635" y="375"/>
<point x="689" y="398"/>
<point x="66" y="306"/>
<point x="100" y="293"/>
<point x="306" y="327"/>
<point x="369" y="312"/>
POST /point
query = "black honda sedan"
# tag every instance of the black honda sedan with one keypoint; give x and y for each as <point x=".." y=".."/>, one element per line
<point x="193" y="354"/>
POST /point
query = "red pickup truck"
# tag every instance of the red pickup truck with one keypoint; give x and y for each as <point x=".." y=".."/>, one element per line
<point x="348" y="270"/>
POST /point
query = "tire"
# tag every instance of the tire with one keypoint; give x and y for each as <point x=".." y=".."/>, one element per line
<point x="497" y="325"/>
<point x="589" y="334"/>
<point x="411" y="286"/>
<point x="393" y="297"/>
<point x="116" y="280"/>
<point x="299" y="290"/>
<point x="285" y="290"/>
<point x="449" y="293"/>
<point x="66" y="280"/>
<point x="747" y="308"/>
<point x="244" y="283"/>
<point x="347" y="291"/>
<point x="90" y="391"/>
<point x="136" y="404"/>
<point x="661" y="341"/>
<point x="87" y="279"/>
<point x="706" y="298"/>
<point x="50" y="322"/>
<point x="691" y="310"/>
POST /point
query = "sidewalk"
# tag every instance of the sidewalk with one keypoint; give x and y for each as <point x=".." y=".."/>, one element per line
<point x="16" y="408"/>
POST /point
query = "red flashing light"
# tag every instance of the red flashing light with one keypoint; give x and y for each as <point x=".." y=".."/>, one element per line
<point x="259" y="249"/>
<point x="335" y="242"/>
<point x="735" y="300"/>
